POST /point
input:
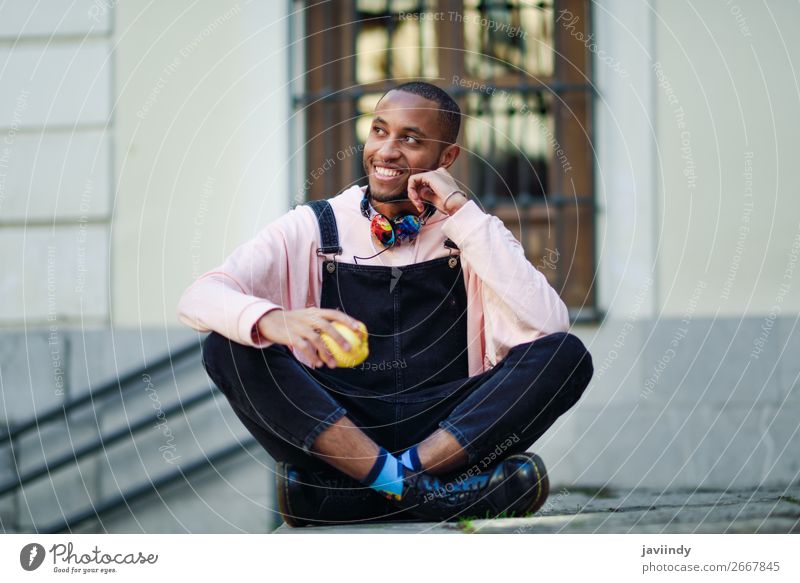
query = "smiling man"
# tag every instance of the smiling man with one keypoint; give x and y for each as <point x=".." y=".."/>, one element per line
<point x="470" y="361"/>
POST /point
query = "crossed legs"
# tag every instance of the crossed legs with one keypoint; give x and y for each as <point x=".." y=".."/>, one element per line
<point x="348" y="449"/>
<point x="299" y="420"/>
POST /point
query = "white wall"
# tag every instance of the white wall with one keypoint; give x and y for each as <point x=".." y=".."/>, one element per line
<point x="171" y="118"/>
<point x="695" y="376"/>
<point x="55" y="176"/>
<point x="729" y="68"/>
<point x="695" y="157"/>
<point x="625" y="146"/>
<point x="202" y="112"/>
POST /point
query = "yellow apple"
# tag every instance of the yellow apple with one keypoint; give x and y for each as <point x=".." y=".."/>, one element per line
<point x="359" y="348"/>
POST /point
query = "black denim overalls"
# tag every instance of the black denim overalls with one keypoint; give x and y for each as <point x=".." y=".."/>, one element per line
<point x="415" y="379"/>
<point x="416" y="316"/>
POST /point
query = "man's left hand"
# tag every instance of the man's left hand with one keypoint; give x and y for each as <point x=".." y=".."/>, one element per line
<point x="435" y="186"/>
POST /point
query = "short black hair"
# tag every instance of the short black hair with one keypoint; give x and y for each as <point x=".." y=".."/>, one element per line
<point x="449" y="112"/>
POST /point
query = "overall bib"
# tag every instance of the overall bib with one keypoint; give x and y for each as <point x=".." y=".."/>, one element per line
<point x="416" y="317"/>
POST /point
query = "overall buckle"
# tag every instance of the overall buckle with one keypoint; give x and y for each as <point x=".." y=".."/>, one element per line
<point x="333" y="252"/>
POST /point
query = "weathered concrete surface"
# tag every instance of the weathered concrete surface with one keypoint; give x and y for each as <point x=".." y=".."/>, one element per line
<point x="592" y="510"/>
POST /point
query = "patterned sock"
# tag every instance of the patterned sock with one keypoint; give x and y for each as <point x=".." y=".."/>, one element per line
<point x="410" y="459"/>
<point x="386" y="476"/>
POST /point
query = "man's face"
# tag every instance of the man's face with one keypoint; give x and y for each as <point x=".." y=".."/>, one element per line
<point x="405" y="138"/>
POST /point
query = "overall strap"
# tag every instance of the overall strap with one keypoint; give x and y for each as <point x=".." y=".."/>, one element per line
<point x="327" y="227"/>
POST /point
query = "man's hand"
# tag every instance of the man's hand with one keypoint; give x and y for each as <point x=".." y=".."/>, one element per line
<point x="435" y="186"/>
<point x="300" y="330"/>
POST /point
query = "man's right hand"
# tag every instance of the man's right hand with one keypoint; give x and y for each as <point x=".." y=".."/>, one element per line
<point x="300" y="330"/>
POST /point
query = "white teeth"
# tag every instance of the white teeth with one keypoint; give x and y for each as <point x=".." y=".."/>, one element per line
<point x="387" y="172"/>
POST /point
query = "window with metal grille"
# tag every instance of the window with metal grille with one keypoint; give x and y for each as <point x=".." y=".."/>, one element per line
<point x="521" y="73"/>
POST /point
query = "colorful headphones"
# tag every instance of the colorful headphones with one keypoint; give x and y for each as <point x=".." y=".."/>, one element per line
<point x="388" y="232"/>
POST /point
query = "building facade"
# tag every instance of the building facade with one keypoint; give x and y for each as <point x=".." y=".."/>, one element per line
<point x="139" y="145"/>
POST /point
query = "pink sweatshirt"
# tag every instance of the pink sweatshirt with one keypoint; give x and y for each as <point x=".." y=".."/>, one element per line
<point x="509" y="301"/>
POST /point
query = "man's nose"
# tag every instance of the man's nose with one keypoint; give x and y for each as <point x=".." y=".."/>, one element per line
<point x="388" y="150"/>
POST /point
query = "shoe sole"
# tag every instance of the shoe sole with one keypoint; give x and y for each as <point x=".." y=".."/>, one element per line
<point x="542" y="481"/>
<point x="282" y="491"/>
<point x="293" y="521"/>
<point x="285" y="507"/>
<point x="542" y="491"/>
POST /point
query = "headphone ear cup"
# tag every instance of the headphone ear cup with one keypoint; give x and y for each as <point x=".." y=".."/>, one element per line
<point x="383" y="230"/>
<point x="407" y="226"/>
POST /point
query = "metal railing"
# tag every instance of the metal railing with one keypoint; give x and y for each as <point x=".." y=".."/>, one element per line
<point x="118" y="386"/>
<point x="140" y="492"/>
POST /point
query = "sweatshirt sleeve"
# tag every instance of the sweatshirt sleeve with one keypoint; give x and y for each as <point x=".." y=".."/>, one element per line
<point x="252" y="281"/>
<point x="521" y="294"/>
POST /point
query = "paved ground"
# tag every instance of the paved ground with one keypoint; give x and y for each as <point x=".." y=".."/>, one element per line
<point x="589" y="510"/>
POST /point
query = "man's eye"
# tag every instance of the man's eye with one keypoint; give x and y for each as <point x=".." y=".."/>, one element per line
<point x="413" y="140"/>
<point x="377" y="130"/>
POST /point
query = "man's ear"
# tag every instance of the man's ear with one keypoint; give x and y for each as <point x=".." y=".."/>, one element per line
<point x="449" y="155"/>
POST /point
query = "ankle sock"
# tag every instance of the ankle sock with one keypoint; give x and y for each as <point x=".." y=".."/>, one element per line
<point x="386" y="475"/>
<point x="410" y="459"/>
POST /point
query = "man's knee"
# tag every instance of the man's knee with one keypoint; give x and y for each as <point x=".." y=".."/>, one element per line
<point x="216" y="359"/>
<point x="215" y="347"/>
<point x="226" y="361"/>
<point x="567" y="365"/>
<point x="574" y="350"/>
<point x="229" y="363"/>
<point x="577" y="363"/>
<point x="566" y="350"/>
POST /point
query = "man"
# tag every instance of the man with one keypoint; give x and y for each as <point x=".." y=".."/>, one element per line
<point x="469" y="357"/>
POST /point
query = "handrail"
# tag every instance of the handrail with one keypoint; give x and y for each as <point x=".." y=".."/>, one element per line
<point x="106" y="389"/>
<point x="144" y="490"/>
<point x="101" y="443"/>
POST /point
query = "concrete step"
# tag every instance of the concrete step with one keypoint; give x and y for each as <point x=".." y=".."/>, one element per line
<point x="232" y="496"/>
<point x="235" y="496"/>
<point x="144" y="402"/>
<point x="573" y="509"/>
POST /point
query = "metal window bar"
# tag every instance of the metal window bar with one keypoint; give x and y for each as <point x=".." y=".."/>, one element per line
<point x="519" y="169"/>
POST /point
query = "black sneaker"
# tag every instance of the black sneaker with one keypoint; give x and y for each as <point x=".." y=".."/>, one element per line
<point x="516" y="486"/>
<point x="327" y="497"/>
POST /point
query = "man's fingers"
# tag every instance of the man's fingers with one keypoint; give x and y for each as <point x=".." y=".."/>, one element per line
<point x="341" y="317"/>
<point x="334" y="333"/>
<point x="422" y="184"/>
<point x="322" y="352"/>
<point x="413" y="193"/>
<point x="305" y="349"/>
<point x="318" y="323"/>
<point x="307" y="342"/>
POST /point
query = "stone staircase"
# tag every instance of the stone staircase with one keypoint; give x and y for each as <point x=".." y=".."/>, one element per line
<point x="155" y="449"/>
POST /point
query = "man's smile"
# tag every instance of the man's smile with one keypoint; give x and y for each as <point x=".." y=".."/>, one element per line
<point x="387" y="173"/>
